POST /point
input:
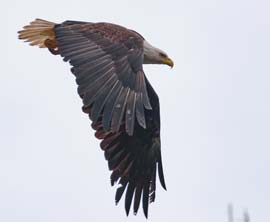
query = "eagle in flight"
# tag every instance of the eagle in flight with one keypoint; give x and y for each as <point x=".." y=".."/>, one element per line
<point x="107" y="61"/>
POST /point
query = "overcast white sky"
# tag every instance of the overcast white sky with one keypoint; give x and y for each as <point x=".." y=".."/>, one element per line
<point x="215" y="113"/>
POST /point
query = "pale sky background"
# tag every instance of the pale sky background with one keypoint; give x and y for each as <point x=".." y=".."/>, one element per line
<point x="215" y="113"/>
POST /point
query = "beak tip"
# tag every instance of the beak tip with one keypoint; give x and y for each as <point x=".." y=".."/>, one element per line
<point x="167" y="61"/>
<point x="170" y="62"/>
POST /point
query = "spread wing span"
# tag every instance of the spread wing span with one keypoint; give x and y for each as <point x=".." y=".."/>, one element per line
<point x="107" y="62"/>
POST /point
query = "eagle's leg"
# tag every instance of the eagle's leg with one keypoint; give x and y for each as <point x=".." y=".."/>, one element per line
<point x="51" y="45"/>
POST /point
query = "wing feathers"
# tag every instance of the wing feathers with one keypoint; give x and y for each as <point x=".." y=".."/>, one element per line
<point x="95" y="73"/>
<point x="122" y="105"/>
<point x="137" y="197"/>
<point x="130" y="113"/>
<point x="129" y="195"/>
<point x="145" y="200"/>
<point x="107" y="114"/>
<point x="140" y="110"/>
<point x="103" y="97"/>
<point x="120" y="190"/>
<point x="95" y="59"/>
<point x="92" y="90"/>
<point x="119" y="108"/>
<point x="161" y="175"/>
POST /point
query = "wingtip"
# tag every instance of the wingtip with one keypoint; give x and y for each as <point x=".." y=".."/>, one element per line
<point x="145" y="212"/>
<point x="127" y="212"/>
<point x="164" y="186"/>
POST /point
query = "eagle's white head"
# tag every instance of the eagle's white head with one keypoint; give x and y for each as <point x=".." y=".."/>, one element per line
<point x="153" y="55"/>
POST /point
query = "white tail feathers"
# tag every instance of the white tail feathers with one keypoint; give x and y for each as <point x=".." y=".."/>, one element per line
<point x="38" y="32"/>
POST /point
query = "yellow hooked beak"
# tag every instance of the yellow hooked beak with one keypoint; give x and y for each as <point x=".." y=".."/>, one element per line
<point x="167" y="61"/>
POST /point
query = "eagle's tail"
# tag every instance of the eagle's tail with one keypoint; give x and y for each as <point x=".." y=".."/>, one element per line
<point x="41" y="33"/>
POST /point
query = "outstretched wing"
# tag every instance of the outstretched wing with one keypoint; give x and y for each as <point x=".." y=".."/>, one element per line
<point x="107" y="62"/>
<point x="134" y="159"/>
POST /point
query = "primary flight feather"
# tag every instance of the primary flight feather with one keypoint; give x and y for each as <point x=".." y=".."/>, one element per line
<point x="107" y="61"/>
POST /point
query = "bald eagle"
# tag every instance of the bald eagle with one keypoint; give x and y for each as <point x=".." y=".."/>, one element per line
<point x="107" y="61"/>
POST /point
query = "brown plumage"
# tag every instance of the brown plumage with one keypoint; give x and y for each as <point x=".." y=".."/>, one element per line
<point x="107" y="62"/>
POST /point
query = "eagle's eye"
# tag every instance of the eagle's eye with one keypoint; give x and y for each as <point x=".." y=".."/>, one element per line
<point x="161" y="54"/>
